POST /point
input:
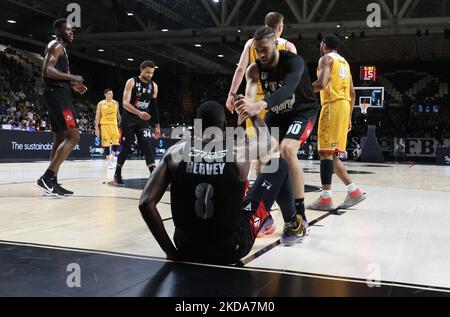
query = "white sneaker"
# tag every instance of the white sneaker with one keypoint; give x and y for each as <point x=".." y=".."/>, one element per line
<point x="353" y="198"/>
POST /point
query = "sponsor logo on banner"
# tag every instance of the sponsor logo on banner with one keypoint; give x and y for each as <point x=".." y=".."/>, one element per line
<point x="414" y="147"/>
<point x="443" y="156"/>
<point x="420" y="147"/>
<point x="37" y="145"/>
<point x="96" y="150"/>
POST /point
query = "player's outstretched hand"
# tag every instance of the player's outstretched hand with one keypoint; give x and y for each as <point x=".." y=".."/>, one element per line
<point x="230" y="103"/>
<point x="242" y="117"/>
<point x="251" y="108"/>
<point x="77" y="79"/>
<point x="79" y="88"/>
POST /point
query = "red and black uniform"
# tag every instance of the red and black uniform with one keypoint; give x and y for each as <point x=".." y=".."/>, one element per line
<point x="213" y="220"/>
<point x="134" y="127"/>
<point x="290" y="98"/>
<point x="58" y="97"/>
<point x="141" y="99"/>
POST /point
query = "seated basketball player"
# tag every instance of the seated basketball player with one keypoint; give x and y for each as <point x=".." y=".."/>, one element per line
<point x="214" y="220"/>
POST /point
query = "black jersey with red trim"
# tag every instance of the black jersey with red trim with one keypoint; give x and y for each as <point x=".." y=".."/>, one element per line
<point x="141" y="96"/>
<point x="287" y="86"/>
<point x="206" y="196"/>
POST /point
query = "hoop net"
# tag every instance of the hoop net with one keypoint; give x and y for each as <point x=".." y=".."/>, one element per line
<point x="364" y="107"/>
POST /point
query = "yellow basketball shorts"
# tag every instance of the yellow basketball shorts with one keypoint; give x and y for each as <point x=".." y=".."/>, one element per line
<point x="109" y="133"/>
<point x="333" y="127"/>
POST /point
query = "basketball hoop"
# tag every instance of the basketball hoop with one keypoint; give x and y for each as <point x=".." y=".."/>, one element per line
<point x="364" y="107"/>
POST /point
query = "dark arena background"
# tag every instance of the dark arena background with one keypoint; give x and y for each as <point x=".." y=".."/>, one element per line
<point x="96" y="243"/>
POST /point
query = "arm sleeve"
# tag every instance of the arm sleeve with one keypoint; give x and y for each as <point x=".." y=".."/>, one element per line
<point x="295" y="69"/>
<point x="154" y="109"/>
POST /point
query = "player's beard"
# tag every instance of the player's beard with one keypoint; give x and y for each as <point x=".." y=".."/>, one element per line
<point x="271" y="60"/>
<point x="66" y="38"/>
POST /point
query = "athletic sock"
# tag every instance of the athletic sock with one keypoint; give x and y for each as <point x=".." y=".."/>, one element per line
<point x="351" y="187"/>
<point x="300" y="206"/>
<point x="326" y="194"/>
<point x="49" y="174"/>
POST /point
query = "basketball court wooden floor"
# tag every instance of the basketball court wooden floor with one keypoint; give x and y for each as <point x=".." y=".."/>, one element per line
<point x="395" y="243"/>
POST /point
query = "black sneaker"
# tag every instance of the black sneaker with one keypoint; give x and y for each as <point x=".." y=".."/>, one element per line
<point x="62" y="189"/>
<point x="49" y="186"/>
<point x="118" y="181"/>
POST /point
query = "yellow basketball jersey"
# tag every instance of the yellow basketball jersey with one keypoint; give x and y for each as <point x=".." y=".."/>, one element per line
<point x="108" y="112"/>
<point x="338" y="87"/>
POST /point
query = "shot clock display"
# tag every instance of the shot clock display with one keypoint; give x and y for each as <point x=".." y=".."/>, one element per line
<point x="368" y="73"/>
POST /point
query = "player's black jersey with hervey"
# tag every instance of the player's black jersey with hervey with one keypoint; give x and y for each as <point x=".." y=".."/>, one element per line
<point x="287" y="69"/>
<point x="206" y="197"/>
<point x="141" y="96"/>
<point x="62" y="65"/>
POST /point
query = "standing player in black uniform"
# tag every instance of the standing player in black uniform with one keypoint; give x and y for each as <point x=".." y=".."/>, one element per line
<point x="140" y="110"/>
<point x="289" y="96"/>
<point x="213" y="220"/>
<point x="59" y="102"/>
